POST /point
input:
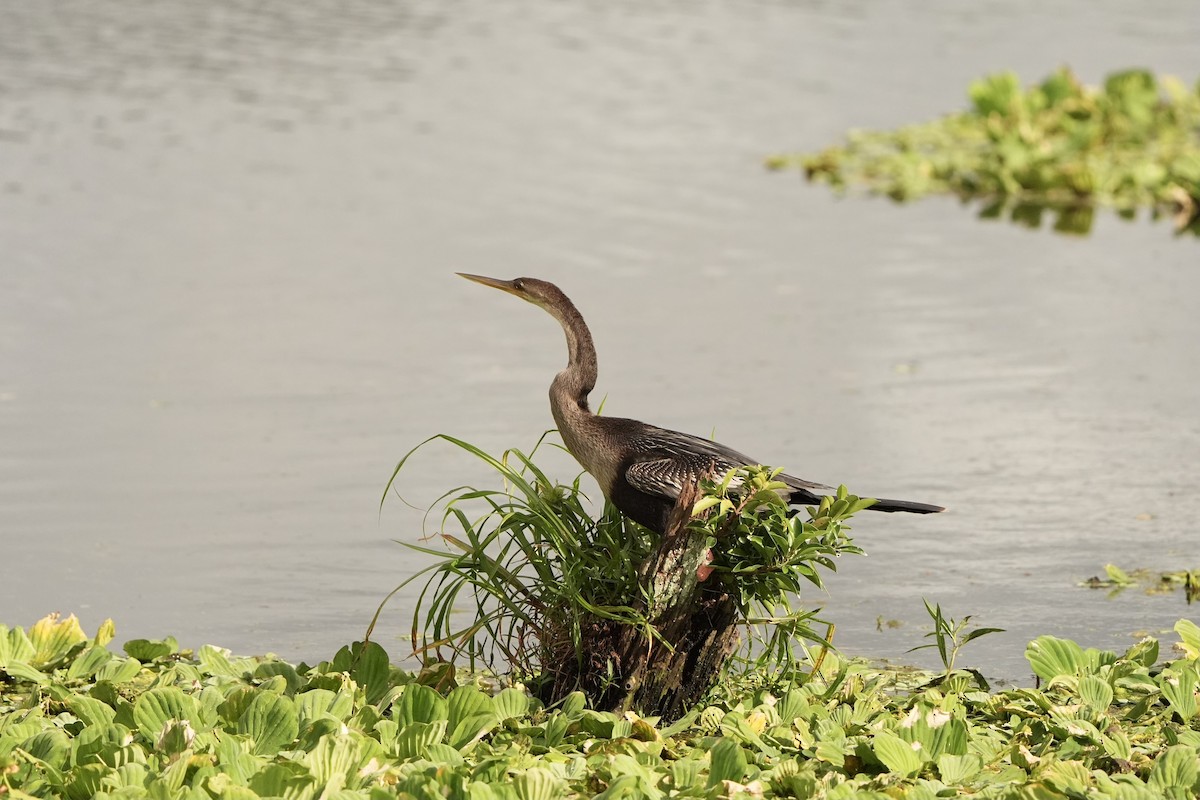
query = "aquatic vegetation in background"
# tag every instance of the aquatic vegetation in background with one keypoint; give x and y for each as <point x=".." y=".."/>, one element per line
<point x="1118" y="580"/>
<point x="1058" y="146"/>
<point x="78" y="720"/>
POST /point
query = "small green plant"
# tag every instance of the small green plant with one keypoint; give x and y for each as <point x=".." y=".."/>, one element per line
<point x="950" y="636"/>
<point x="766" y="555"/>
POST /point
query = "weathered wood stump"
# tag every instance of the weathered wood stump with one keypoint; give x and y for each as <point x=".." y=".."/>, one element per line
<point x="695" y="626"/>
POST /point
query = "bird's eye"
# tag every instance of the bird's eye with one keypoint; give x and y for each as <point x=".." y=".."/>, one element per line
<point x="518" y="284"/>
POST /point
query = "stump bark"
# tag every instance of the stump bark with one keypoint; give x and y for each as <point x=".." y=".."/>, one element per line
<point x="696" y="625"/>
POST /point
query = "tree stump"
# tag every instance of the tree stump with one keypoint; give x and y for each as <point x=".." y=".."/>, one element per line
<point x="696" y="622"/>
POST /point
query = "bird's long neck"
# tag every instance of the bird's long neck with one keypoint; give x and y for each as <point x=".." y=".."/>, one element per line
<point x="582" y="431"/>
<point x="570" y="389"/>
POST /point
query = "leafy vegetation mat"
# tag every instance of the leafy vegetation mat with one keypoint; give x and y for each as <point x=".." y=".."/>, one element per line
<point x="80" y="721"/>
<point x="1117" y="580"/>
<point x="1059" y="145"/>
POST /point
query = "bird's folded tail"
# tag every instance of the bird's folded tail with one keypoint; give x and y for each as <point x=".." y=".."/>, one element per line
<point x="905" y="505"/>
<point x="808" y="498"/>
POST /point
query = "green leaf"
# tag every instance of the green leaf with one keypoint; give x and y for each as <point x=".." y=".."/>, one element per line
<point x="132" y="775"/>
<point x="279" y="669"/>
<point x="1095" y="692"/>
<point x="975" y="634"/>
<point x="1069" y="777"/>
<point x="84" y="782"/>
<point x="318" y="703"/>
<point x="105" y="633"/>
<point x="119" y="670"/>
<point x="173" y="775"/>
<point x="896" y="754"/>
<point x="146" y="650"/>
<point x="996" y="94"/>
<point x="470" y="714"/>
<point x="15" y="647"/>
<point x="510" y="703"/>
<point x="1118" y="576"/>
<point x="1177" y="768"/>
<point x="91" y="711"/>
<point x="371" y="670"/>
<point x="1144" y="652"/>
<point x="538" y="784"/>
<point x="1050" y="657"/>
<point x="1188" y="632"/>
<point x="237" y="764"/>
<point x="1179" y="687"/>
<point x="52" y="746"/>
<point x="1117" y="744"/>
<point x="444" y="754"/>
<point x="100" y="743"/>
<point x="152" y="710"/>
<point x="285" y="779"/>
<point x="216" y="662"/>
<point x="25" y="672"/>
<point x="415" y="738"/>
<point x="421" y="704"/>
<point x="271" y="721"/>
<point x="727" y="762"/>
<point x="88" y="663"/>
<point x="958" y="769"/>
<point x="934" y="732"/>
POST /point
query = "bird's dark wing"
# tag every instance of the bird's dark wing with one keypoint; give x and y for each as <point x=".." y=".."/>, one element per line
<point x="661" y="477"/>
<point x="665" y="460"/>
<point x="651" y="441"/>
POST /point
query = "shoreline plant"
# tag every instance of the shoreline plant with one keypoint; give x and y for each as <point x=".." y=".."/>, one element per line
<point x="607" y="607"/>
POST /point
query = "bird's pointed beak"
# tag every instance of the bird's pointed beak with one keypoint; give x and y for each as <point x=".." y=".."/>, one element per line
<point x="495" y="283"/>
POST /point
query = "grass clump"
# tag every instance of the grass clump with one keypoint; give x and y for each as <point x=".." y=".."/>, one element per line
<point x="80" y="720"/>
<point x="1059" y="145"/>
<point x="532" y="566"/>
<point x="634" y="619"/>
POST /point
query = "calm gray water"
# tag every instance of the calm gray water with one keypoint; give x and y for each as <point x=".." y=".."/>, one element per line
<point x="227" y="301"/>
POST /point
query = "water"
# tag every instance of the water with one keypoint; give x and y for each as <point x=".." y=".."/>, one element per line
<point x="227" y="302"/>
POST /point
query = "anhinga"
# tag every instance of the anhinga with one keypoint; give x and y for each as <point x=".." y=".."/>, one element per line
<point x="641" y="468"/>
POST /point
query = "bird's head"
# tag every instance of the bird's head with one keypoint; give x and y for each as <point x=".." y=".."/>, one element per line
<point x="540" y="293"/>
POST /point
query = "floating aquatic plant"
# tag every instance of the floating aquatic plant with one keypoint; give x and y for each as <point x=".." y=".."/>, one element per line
<point x="1059" y="145"/>
<point x="1117" y="580"/>
<point x="80" y="720"/>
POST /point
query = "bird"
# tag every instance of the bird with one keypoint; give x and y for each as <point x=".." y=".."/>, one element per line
<point x="641" y="468"/>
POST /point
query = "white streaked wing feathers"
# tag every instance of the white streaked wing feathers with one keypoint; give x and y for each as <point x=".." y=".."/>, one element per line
<point x="684" y="458"/>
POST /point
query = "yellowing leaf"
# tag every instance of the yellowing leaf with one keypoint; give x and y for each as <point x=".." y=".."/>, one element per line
<point x="52" y="637"/>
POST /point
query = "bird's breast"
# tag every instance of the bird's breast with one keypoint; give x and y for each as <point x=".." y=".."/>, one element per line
<point x="594" y="454"/>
